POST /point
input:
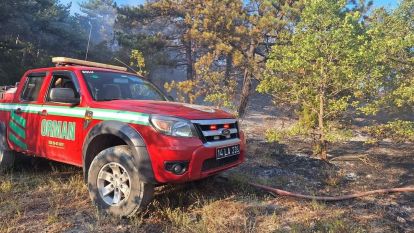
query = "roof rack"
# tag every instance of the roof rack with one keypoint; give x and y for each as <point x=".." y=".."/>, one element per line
<point x="64" y="61"/>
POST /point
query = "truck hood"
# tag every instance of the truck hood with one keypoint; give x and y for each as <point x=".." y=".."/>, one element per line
<point x="181" y="110"/>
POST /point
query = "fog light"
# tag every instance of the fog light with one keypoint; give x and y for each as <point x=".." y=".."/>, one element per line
<point x="177" y="167"/>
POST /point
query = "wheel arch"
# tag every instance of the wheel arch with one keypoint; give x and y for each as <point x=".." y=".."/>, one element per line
<point x="113" y="133"/>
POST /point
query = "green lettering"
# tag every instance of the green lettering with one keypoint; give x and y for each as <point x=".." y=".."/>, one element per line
<point x="50" y="129"/>
<point x="65" y="130"/>
<point x="57" y="125"/>
<point x="71" y="131"/>
<point x="44" y="128"/>
<point x="58" y="129"/>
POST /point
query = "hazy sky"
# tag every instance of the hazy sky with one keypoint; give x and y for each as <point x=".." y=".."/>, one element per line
<point x="75" y="3"/>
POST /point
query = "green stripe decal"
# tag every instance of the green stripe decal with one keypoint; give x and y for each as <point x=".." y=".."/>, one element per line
<point x="17" y="141"/>
<point x="78" y="112"/>
<point x="18" y="119"/>
<point x="17" y="130"/>
<point x="123" y="120"/>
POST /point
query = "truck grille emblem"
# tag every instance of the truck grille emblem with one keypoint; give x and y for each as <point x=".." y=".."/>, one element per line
<point x="225" y="132"/>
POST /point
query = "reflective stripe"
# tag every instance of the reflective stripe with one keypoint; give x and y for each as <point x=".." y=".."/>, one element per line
<point x="65" y="111"/>
<point x="128" y="117"/>
<point x="99" y="114"/>
<point x="17" y="130"/>
<point x="7" y="107"/>
<point x="29" y="108"/>
<point x="18" y="119"/>
<point x="17" y="141"/>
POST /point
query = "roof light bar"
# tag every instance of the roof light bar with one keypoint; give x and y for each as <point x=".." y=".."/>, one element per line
<point x="71" y="61"/>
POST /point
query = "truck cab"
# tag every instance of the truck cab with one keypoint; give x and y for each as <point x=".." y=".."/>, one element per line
<point x="120" y="128"/>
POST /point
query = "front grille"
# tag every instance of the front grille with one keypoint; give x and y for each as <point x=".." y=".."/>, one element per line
<point x="216" y="136"/>
<point x="213" y="163"/>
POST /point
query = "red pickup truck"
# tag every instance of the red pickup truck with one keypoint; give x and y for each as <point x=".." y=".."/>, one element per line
<point x="125" y="134"/>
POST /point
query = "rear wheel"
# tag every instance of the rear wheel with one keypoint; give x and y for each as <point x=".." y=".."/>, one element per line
<point x="7" y="156"/>
<point x="114" y="184"/>
<point x="6" y="160"/>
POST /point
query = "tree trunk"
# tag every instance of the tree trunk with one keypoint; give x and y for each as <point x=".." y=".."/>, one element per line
<point x="23" y="61"/>
<point x="322" y="147"/>
<point x="247" y="82"/>
<point x="190" y="61"/>
<point x="247" y="86"/>
<point x="229" y="68"/>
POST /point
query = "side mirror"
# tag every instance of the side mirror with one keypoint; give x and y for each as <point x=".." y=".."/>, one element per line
<point x="63" y="95"/>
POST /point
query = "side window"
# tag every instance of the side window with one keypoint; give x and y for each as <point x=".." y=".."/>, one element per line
<point x="32" y="88"/>
<point x="62" y="81"/>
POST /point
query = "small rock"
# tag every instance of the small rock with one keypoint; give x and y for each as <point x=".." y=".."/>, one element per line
<point x="286" y="228"/>
<point x="194" y="217"/>
<point x="267" y="173"/>
<point x="401" y="220"/>
<point x="407" y="209"/>
<point x="349" y="163"/>
<point x="351" y="176"/>
<point x="312" y="225"/>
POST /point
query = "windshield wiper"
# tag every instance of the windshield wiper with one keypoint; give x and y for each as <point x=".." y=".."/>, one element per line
<point x="109" y="99"/>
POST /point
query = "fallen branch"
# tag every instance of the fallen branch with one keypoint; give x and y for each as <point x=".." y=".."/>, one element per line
<point x="349" y="158"/>
<point x="362" y="158"/>
<point x="337" y="198"/>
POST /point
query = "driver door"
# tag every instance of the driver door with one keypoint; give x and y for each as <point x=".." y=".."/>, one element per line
<point x="61" y="123"/>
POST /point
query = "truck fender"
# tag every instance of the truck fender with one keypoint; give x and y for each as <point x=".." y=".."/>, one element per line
<point x="132" y="138"/>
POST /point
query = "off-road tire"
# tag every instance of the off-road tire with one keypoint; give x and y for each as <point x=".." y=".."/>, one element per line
<point x="140" y="194"/>
<point x="6" y="160"/>
<point x="7" y="156"/>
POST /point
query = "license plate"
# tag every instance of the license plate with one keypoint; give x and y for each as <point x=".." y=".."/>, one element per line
<point x="227" y="151"/>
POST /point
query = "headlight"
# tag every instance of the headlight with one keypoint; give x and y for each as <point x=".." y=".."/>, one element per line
<point x="173" y="126"/>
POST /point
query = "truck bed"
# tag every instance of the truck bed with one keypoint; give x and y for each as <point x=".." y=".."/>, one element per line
<point x="6" y="96"/>
<point x="7" y="93"/>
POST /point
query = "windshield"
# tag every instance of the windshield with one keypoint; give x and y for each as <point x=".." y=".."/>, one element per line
<point x="106" y="86"/>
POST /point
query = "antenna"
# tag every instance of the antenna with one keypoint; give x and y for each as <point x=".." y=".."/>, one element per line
<point x="89" y="40"/>
<point x="123" y="63"/>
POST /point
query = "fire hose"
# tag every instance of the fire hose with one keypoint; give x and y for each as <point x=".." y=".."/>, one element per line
<point x="332" y="198"/>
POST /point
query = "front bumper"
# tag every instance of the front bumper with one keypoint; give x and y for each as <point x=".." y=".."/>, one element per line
<point x="201" y="158"/>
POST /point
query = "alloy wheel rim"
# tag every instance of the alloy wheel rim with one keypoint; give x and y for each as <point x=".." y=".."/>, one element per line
<point x="114" y="184"/>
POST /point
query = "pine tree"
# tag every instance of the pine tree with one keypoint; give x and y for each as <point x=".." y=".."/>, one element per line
<point x="320" y="70"/>
<point x="32" y="32"/>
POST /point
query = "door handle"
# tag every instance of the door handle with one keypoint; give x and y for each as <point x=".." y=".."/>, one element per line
<point x="18" y="111"/>
<point x="43" y="112"/>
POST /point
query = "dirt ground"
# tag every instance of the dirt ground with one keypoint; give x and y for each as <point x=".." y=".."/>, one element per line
<point x="42" y="196"/>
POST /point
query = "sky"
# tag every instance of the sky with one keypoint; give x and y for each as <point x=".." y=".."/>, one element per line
<point x="390" y="4"/>
<point x="75" y="3"/>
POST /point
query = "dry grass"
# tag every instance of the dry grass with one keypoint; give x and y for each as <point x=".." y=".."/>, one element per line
<point x="51" y="197"/>
<point x="43" y="201"/>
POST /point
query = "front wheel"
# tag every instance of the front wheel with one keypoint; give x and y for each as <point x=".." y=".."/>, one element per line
<point x="114" y="184"/>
